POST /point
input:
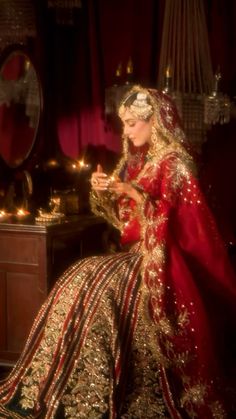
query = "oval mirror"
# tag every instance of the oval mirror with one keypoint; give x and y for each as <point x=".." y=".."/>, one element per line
<point x="20" y="104"/>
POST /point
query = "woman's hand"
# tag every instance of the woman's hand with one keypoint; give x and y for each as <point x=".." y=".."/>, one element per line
<point x="99" y="180"/>
<point x="127" y="189"/>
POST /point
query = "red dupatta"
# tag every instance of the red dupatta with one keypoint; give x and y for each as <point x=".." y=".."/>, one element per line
<point x="187" y="276"/>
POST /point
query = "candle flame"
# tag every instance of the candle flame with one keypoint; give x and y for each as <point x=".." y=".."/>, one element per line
<point x="168" y="72"/>
<point x="20" y="211"/>
<point x="119" y="70"/>
<point x="129" y="68"/>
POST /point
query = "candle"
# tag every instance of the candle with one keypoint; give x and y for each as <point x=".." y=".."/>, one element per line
<point x="167" y="80"/>
<point x="119" y="70"/>
<point x="83" y="165"/>
<point x="168" y="72"/>
<point x="129" y="68"/>
<point x="21" y="212"/>
<point x="80" y="165"/>
<point x="3" y="215"/>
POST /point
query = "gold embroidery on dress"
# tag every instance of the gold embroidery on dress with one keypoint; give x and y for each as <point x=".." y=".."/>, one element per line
<point x="88" y="389"/>
<point x="144" y="397"/>
<point x="43" y="357"/>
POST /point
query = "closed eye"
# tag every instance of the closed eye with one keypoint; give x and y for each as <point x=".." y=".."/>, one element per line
<point x="130" y="122"/>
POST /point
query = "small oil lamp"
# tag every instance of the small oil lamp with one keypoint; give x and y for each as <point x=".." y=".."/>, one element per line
<point x="21" y="213"/>
<point x="3" y="215"/>
<point x="80" y="165"/>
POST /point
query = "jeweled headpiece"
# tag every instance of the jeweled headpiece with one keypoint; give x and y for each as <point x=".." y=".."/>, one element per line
<point x="140" y="107"/>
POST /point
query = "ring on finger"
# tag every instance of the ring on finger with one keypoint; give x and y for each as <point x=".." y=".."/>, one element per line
<point x="95" y="181"/>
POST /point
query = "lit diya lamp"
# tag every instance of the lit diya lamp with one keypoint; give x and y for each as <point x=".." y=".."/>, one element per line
<point x="3" y="215"/>
<point x="80" y="165"/>
<point x="21" y="213"/>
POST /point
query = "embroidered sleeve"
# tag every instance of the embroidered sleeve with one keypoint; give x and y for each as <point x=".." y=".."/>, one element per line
<point x="104" y="205"/>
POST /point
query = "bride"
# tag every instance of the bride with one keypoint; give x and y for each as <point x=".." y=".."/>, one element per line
<point x="148" y="332"/>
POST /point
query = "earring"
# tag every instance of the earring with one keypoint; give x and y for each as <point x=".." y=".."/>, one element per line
<point x="153" y="143"/>
<point x="157" y="143"/>
<point x="154" y="135"/>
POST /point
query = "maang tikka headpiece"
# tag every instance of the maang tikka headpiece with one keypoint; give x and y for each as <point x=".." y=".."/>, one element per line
<point x="140" y="107"/>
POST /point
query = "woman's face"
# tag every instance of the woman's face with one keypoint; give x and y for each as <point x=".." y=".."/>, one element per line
<point x="137" y="131"/>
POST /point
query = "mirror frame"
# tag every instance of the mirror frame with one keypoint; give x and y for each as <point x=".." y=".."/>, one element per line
<point x="5" y="54"/>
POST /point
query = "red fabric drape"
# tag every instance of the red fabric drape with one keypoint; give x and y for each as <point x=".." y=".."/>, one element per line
<point x="105" y="34"/>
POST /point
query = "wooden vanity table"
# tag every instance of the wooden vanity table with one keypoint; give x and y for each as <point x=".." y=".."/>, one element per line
<point x="31" y="259"/>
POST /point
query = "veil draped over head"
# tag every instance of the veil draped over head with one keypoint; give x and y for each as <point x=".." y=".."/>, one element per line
<point x="167" y="132"/>
<point x="167" y="122"/>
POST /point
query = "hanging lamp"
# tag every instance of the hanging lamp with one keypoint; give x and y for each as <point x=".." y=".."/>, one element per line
<point x="185" y="69"/>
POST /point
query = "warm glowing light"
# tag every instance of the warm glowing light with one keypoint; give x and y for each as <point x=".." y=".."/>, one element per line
<point x="168" y="72"/>
<point x="119" y="70"/>
<point x="129" y="68"/>
<point x="27" y="65"/>
<point x="81" y="163"/>
<point x="2" y="213"/>
<point x="21" y="212"/>
<point x="52" y="163"/>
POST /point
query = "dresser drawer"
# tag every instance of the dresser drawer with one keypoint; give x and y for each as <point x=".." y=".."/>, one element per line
<point x="18" y="249"/>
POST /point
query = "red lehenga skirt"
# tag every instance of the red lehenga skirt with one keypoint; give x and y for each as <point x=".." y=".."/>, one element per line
<point x="88" y="353"/>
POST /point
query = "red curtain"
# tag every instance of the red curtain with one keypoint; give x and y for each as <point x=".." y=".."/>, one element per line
<point x="83" y="61"/>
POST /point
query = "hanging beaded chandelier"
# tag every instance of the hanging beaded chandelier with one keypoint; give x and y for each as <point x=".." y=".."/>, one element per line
<point x="185" y="70"/>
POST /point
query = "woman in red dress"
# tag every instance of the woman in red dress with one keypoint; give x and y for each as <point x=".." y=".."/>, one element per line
<point x="148" y="332"/>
